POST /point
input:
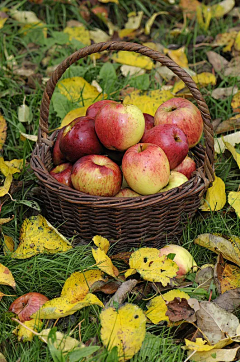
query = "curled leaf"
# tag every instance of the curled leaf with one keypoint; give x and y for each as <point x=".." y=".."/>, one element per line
<point x="6" y="277"/>
<point x="104" y="263"/>
<point x="234" y="201"/>
<point x="151" y="20"/>
<point x="216" y="196"/>
<point x="101" y="243"/>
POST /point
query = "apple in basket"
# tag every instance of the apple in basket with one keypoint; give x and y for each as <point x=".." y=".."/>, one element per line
<point x="62" y="173"/>
<point x="185" y="115"/>
<point x="58" y="156"/>
<point x="171" y="139"/>
<point x="187" y="167"/>
<point x="149" y="123"/>
<point x="27" y="304"/>
<point x="79" y="139"/>
<point x="176" y="179"/>
<point x="146" y="168"/>
<point x="96" y="175"/>
<point x="119" y="126"/>
<point x="95" y="107"/>
<point x="127" y="193"/>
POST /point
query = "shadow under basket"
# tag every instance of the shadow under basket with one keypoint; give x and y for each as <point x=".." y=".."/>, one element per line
<point x="127" y="222"/>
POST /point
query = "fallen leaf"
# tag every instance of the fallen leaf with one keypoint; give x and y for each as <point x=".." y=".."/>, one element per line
<point x="63" y="343"/>
<point x="24" y="17"/>
<point x="222" y="8"/>
<point x="230" y="124"/>
<point x="104" y="263"/>
<point x="123" y="33"/>
<point x="79" y="33"/>
<point x="189" y="7"/>
<point x="6" y="277"/>
<point x="124" y="256"/>
<point x="3" y="131"/>
<point x="215" y="198"/>
<point x="229" y="300"/>
<point x="233" y="69"/>
<point x="121" y="294"/>
<point x="178" y="56"/>
<point x="15" y="165"/>
<point x="226" y="39"/>
<point x="6" y="186"/>
<point x="151" y="20"/>
<point x="101" y="243"/>
<point x="218" y="62"/>
<point x="230" y="249"/>
<point x="124" y="328"/>
<point x="2" y="22"/>
<point x="110" y="287"/>
<point x="205" y="276"/>
<point x="233" y="151"/>
<point x="148" y="101"/>
<point x="37" y="236"/>
<point x="108" y="1"/>
<point x="62" y="307"/>
<point x="204" y="16"/>
<point x="98" y="35"/>
<point x="134" y="21"/>
<point x="216" y="355"/>
<point x="151" y="267"/>
<point x="219" y="143"/>
<point x="8" y="244"/>
<point x="178" y="310"/>
<point x="223" y="93"/>
<point x="5" y="220"/>
<point x="30" y="137"/>
<point x="24" y="113"/>
<point x="2" y="358"/>
<point x="132" y="58"/>
<point x="78" y="112"/>
<point x="157" y="308"/>
<point x="203" y="79"/>
<point x="230" y="278"/>
<point x="25" y="334"/>
<point x="234" y="201"/>
<point x="237" y="42"/>
<point x="78" y="285"/>
<point x="129" y="70"/>
<point x="236" y="103"/>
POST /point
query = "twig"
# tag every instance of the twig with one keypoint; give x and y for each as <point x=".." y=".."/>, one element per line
<point x="122" y="292"/>
<point x="31" y="330"/>
<point x="190" y="356"/>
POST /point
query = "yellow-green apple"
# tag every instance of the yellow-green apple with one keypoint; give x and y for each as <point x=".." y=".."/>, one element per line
<point x="79" y="139"/>
<point x="185" y="115"/>
<point x="176" y="179"/>
<point x="172" y="141"/>
<point x="96" y="175"/>
<point x="183" y="258"/>
<point x="187" y="167"/>
<point x="119" y="126"/>
<point x="27" y="304"/>
<point x="127" y="193"/>
<point x="58" y="156"/>
<point x="62" y="173"/>
<point x="146" y="168"/>
<point x="95" y="107"/>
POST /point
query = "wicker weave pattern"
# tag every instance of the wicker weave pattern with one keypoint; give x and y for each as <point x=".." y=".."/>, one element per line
<point x="148" y="220"/>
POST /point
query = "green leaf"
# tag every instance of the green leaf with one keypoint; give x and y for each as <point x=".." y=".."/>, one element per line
<point x="56" y="354"/>
<point x="33" y="204"/>
<point x="75" y="356"/>
<point x="171" y="256"/>
<point x="140" y="82"/>
<point x="108" y="76"/>
<point x="61" y="104"/>
<point x="60" y="37"/>
<point x="112" y="355"/>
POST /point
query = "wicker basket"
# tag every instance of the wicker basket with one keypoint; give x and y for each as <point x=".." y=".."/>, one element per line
<point x="128" y="222"/>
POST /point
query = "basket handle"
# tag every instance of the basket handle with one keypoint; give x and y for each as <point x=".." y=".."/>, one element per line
<point x="154" y="55"/>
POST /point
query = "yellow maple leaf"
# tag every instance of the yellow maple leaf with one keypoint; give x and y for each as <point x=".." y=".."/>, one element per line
<point x="124" y="329"/>
<point x="151" y="267"/>
<point x="77" y="286"/>
<point x="215" y="197"/>
<point x="157" y="307"/>
<point x="104" y="263"/>
<point x="101" y="243"/>
<point x="37" y="236"/>
<point x="199" y="345"/>
<point x="74" y="113"/>
<point x="203" y="79"/>
<point x="79" y="33"/>
<point x="3" y="130"/>
<point x="8" y="244"/>
<point x="25" y="334"/>
<point x="148" y="101"/>
<point x="132" y="58"/>
<point x="234" y="201"/>
<point x="6" y="277"/>
<point x="178" y="56"/>
<point x="62" y="307"/>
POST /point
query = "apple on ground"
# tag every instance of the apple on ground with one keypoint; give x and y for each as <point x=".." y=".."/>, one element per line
<point x="185" y="115"/>
<point x="95" y="107"/>
<point x="58" y="156"/>
<point x="96" y="175"/>
<point x="176" y="179"/>
<point x="79" y="139"/>
<point x="119" y="126"/>
<point x="27" y="304"/>
<point x="62" y="173"/>
<point x="183" y="259"/>
<point x="146" y="168"/>
<point x="172" y="141"/>
<point x="127" y="193"/>
<point x="187" y="167"/>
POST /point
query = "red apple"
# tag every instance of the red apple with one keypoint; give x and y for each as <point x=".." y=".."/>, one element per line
<point x="62" y="173"/>
<point x="27" y="304"/>
<point x="96" y="175"/>
<point x="172" y="141"/>
<point x="95" y="107"/>
<point x="116" y="156"/>
<point x="127" y="193"/>
<point x="58" y="156"/>
<point x="119" y="126"/>
<point x="146" y="168"/>
<point x="149" y="123"/>
<point x="187" y="167"/>
<point x="100" y="11"/>
<point x="79" y="139"/>
<point x="185" y="115"/>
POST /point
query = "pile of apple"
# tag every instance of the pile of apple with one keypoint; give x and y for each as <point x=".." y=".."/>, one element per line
<point x="116" y="150"/>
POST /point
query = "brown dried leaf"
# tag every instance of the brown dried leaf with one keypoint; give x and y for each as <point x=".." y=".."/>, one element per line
<point x="230" y="124"/>
<point x="205" y="276"/>
<point x="230" y="300"/>
<point x="124" y="256"/>
<point x="110" y="287"/>
<point x="189" y="7"/>
<point x="223" y="93"/>
<point x="218" y="62"/>
<point x="179" y="309"/>
<point x="230" y="278"/>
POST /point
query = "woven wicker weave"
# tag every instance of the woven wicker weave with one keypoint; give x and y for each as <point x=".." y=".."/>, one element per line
<point x="130" y="222"/>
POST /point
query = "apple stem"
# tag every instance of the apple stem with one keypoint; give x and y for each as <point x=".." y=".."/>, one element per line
<point x="141" y="148"/>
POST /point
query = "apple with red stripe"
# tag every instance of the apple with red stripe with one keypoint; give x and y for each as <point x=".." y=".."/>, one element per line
<point x="62" y="173"/>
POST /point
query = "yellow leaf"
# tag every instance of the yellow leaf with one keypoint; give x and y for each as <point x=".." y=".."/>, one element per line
<point x="230" y="278"/>
<point x="126" y="32"/>
<point x="6" y="186"/>
<point x="230" y="249"/>
<point x="79" y="33"/>
<point x="236" y="102"/>
<point x="234" y="201"/>
<point x="235" y="154"/>
<point x="8" y="244"/>
<point x="77" y="286"/>
<point x="101" y="243"/>
<point x="77" y="89"/>
<point x="62" y="342"/>
<point x="204" y="15"/>
<point x="134" y="21"/>
<point x="178" y="56"/>
<point x="6" y="277"/>
<point x="24" y="334"/>
<point x="237" y="42"/>
<point x="62" y="307"/>
<point x="215" y="196"/>
<point x="38" y="236"/>
<point x="132" y="58"/>
<point x="6" y="220"/>
<point x="151" y="20"/>
<point x="30" y="137"/>
<point x="199" y="345"/>
<point x="14" y="165"/>
<point x="3" y="130"/>
<point x="98" y="35"/>
<point x="104" y="263"/>
<point x="216" y="355"/>
<point x="203" y="79"/>
<point x="108" y="1"/>
<point x="157" y="307"/>
<point x="151" y="267"/>
<point x="148" y="101"/>
<point x="78" y="112"/>
<point x="226" y="39"/>
<point x="124" y="329"/>
<point x="221" y="9"/>
<point x="2" y="22"/>
<point x="130" y="272"/>
<point x="24" y="17"/>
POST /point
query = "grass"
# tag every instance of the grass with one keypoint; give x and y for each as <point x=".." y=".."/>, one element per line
<point x="47" y="273"/>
